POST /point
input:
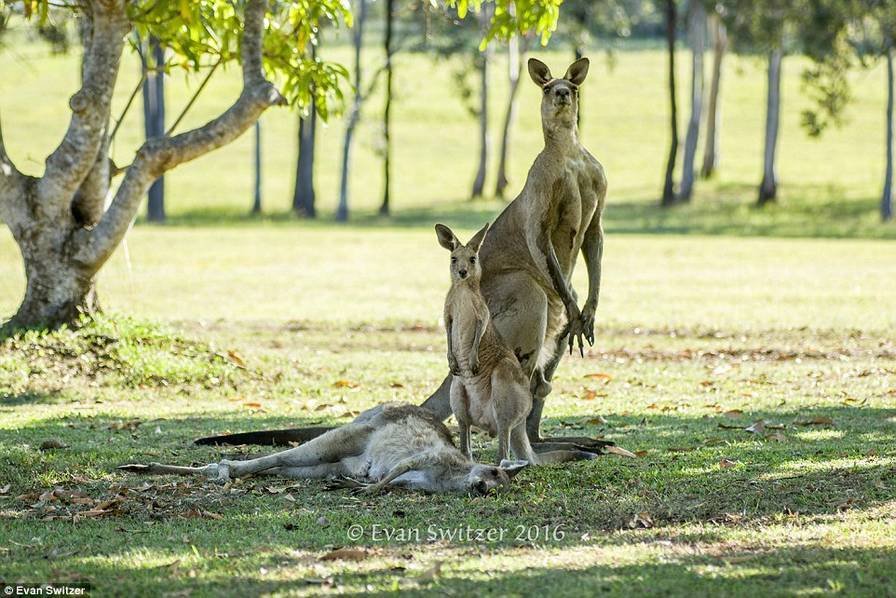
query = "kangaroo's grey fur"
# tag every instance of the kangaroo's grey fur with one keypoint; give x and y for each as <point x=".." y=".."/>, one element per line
<point x="391" y="444"/>
<point x="489" y="389"/>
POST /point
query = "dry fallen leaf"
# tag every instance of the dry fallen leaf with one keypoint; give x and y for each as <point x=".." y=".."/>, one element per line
<point x="345" y="384"/>
<point x="346" y="554"/>
<point x="776" y="437"/>
<point x="396" y="385"/>
<point x="125" y="425"/>
<point x="600" y="376"/>
<point x="641" y="453"/>
<point x="252" y="405"/>
<point x="642" y="519"/>
<point x="236" y="359"/>
<point x="727" y="463"/>
<point x="597" y="421"/>
<point x="733" y="413"/>
<point x="618" y="450"/>
<point x="815" y="421"/>
<point x="757" y="427"/>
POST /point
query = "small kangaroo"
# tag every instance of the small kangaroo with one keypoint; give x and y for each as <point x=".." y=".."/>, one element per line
<point x="391" y="444"/>
<point x="489" y="389"/>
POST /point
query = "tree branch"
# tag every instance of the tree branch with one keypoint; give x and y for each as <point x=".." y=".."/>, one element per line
<point x="7" y="168"/>
<point x="71" y="162"/>
<point x="160" y="154"/>
<point x="90" y="198"/>
<point x="10" y="186"/>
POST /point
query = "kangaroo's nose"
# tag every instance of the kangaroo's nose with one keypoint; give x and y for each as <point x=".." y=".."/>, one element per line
<point x="562" y="93"/>
<point x="463" y="273"/>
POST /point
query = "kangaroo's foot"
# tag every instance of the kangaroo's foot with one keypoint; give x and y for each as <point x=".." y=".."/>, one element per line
<point x="217" y="472"/>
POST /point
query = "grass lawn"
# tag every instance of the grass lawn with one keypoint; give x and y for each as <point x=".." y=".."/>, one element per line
<point x="712" y="318"/>
<point x="699" y="338"/>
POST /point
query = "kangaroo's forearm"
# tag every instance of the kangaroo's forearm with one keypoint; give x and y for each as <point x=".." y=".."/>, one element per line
<point x="554" y="270"/>
<point x="593" y="250"/>
<point x="477" y="338"/>
<point x="448" y="325"/>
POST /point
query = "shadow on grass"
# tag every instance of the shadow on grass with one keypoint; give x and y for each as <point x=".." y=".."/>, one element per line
<point x="693" y="469"/>
<point x="816" y="471"/>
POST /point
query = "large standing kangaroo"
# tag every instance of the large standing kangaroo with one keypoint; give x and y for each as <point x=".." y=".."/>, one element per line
<point x="529" y="256"/>
<point x="530" y="253"/>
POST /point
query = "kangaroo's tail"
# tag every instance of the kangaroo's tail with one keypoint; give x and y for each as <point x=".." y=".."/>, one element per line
<point x="267" y="437"/>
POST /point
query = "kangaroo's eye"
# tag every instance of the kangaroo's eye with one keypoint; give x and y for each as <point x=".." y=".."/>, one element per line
<point x="473" y="260"/>
<point x="546" y="91"/>
<point x="453" y="260"/>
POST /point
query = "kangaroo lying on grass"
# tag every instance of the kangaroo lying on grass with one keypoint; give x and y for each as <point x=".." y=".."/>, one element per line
<point x="489" y="389"/>
<point x="392" y="444"/>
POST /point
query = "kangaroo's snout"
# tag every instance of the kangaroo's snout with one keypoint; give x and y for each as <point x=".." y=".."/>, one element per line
<point x="462" y="273"/>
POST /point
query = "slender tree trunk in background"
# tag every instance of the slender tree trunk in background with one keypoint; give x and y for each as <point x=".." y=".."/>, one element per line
<point x="154" y="123"/>
<point x="669" y="185"/>
<point x="387" y="111"/>
<point x="713" y="109"/>
<point x="886" y="200"/>
<point x="355" y="114"/>
<point x="697" y="35"/>
<point x="484" y="142"/>
<point x="768" y="189"/>
<point x="256" y="203"/>
<point x="516" y="51"/>
<point x="303" y="195"/>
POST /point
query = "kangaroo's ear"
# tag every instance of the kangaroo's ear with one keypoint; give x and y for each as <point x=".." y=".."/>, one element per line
<point x="476" y="242"/>
<point x="539" y="72"/>
<point x="511" y="468"/>
<point x="447" y="239"/>
<point x="577" y="71"/>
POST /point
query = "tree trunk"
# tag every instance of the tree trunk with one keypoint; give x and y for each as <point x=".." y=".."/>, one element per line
<point x="697" y="34"/>
<point x="515" y="55"/>
<point x="154" y="122"/>
<point x="886" y="200"/>
<point x="768" y="189"/>
<point x="387" y="111"/>
<point x="57" y="291"/>
<point x="256" y="203"/>
<point x="669" y="184"/>
<point x="303" y="197"/>
<point x="355" y="114"/>
<point x="303" y="194"/>
<point x="713" y="109"/>
<point x="484" y="141"/>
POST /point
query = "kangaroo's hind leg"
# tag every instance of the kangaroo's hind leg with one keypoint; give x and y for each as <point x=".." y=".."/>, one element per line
<point x="511" y="401"/>
<point x="332" y="447"/>
<point x="460" y="405"/>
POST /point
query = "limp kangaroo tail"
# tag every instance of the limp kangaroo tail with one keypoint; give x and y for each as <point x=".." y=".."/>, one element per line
<point x="266" y="437"/>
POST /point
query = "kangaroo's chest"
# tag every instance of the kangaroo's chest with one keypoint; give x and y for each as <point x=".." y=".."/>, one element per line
<point x="466" y="313"/>
<point x="576" y="196"/>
